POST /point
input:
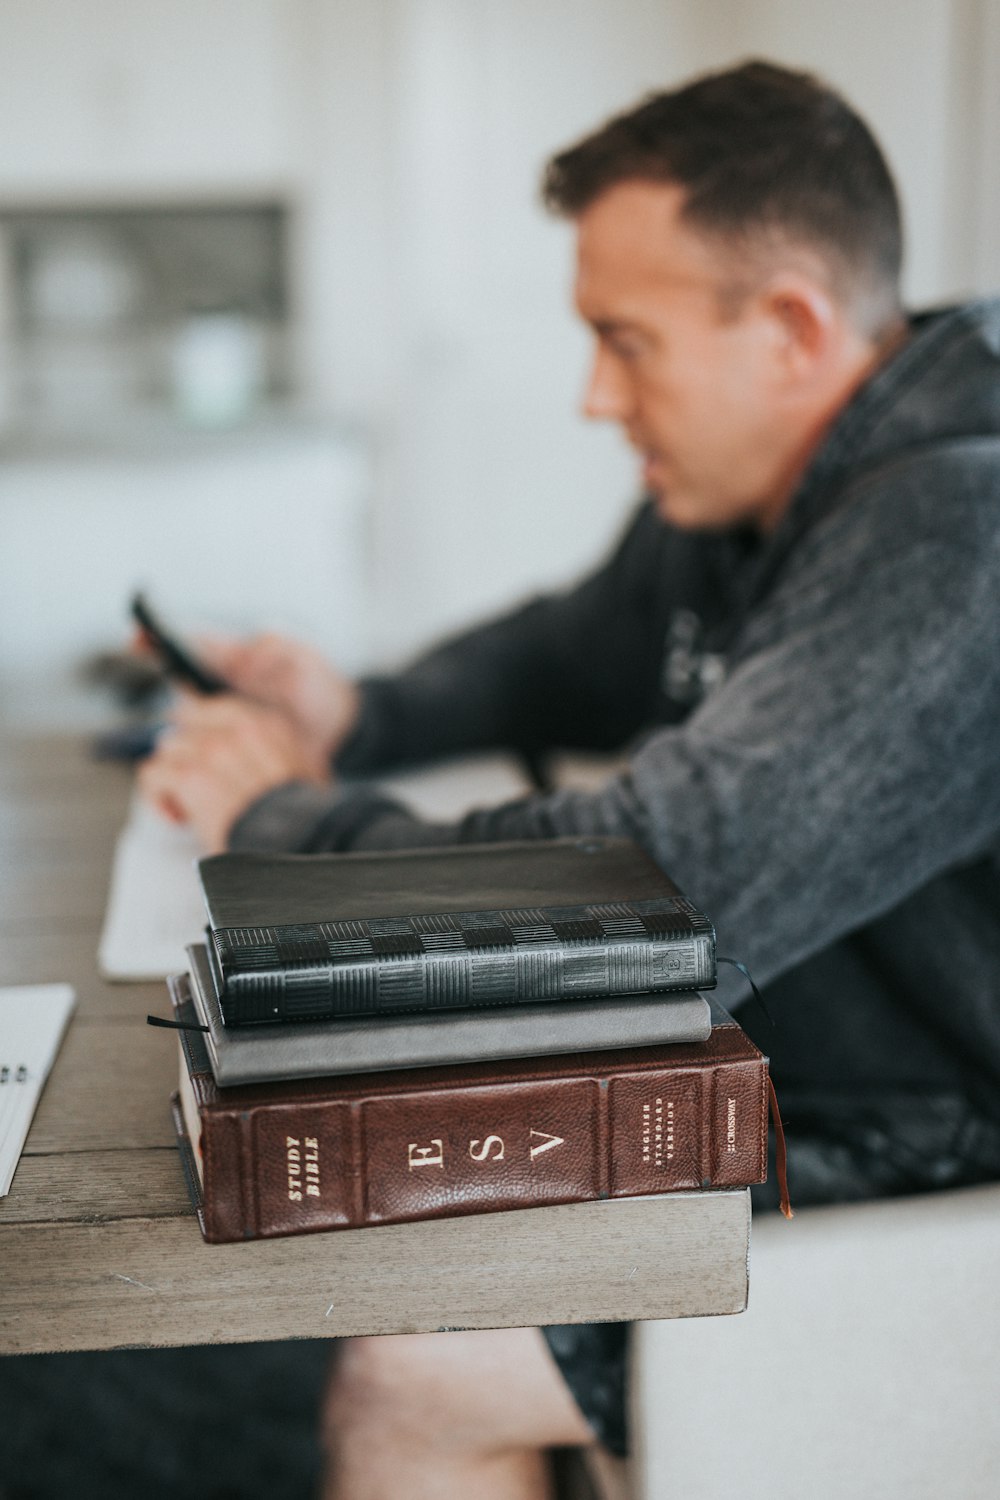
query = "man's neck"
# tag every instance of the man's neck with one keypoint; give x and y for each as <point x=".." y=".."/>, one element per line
<point x="859" y="360"/>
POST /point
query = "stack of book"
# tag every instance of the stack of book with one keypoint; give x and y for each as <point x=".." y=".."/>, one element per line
<point x="373" y="1038"/>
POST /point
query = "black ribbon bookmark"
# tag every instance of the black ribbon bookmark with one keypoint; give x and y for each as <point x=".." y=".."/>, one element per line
<point x="174" y="1025"/>
<point x="749" y="979"/>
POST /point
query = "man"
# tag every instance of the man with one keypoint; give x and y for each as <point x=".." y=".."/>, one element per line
<point x="798" y="639"/>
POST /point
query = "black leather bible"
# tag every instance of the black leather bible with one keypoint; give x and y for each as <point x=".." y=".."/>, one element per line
<point x="320" y="937"/>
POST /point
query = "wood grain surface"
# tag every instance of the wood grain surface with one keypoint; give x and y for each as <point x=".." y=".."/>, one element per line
<point x="99" y="1246"/>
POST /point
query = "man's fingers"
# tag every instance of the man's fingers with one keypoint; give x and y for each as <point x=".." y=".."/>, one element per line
<point x="196" y="711"/>
<point x="158" y="785"/>
<point x="218" y="756"/>
<point x="226" y="738"/>
<point x="248" y="662"/>
<point x="223" y="653"/>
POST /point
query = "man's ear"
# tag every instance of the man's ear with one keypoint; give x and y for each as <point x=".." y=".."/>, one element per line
<point x="804" y="319"/>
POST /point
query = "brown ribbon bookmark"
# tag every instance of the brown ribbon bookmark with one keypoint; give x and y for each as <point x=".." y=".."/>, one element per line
<point x="780" y="1153"/>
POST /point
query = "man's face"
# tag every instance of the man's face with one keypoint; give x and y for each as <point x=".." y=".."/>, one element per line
<point x="696" y="388"/>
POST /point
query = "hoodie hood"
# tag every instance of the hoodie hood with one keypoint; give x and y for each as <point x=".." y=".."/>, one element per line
<point x="942" y="385"/>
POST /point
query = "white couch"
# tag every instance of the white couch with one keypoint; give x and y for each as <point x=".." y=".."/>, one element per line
<point x="867" y="1366"/>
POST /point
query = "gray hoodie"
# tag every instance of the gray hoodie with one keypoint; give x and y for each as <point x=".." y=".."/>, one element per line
<point x="813" y="719"/>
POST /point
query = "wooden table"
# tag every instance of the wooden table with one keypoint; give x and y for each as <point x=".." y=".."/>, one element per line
<point x="99" y="1246"/>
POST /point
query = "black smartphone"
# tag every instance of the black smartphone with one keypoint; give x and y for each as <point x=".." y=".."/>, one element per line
<point x="178" y="661"/>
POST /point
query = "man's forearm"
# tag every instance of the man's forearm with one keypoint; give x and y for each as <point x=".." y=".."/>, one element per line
<point x="306" y="819"/>
<point x="575" y="670"/>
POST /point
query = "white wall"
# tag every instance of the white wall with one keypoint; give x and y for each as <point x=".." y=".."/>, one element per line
<point x="94" y="528"/>
<point x="122" y="98"/>
<point x="445" y="287"/>
<point x="433" y="292"/>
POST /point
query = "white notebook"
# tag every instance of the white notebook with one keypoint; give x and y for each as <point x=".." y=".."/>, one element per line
<point x="33" y="1018"/>
<point x="154" y="903"/>
<point x="155" y="907"/>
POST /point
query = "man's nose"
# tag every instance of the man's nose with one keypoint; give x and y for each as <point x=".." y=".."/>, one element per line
<point x="605" y="397"/>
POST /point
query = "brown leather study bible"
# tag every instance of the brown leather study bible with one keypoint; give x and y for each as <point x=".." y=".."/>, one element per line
<point x="338" y="1153"/>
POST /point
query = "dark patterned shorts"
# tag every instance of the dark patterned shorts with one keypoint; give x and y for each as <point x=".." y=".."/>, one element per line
<point x="593" y="1359"/>
<point x="840" y="1150"/>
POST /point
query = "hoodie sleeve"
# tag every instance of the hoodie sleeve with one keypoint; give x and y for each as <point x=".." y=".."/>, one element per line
<point x="546" y="675"/>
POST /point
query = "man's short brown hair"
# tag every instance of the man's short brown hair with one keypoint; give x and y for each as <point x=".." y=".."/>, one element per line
<point x="764" y="155"/>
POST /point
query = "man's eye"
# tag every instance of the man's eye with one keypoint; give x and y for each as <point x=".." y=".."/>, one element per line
<point x="626" y="346"/>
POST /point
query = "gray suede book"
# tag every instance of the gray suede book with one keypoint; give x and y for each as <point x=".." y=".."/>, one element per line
<point x="243" y="1055"/>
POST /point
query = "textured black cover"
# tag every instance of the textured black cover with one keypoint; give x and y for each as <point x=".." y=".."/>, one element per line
<point x="317" y="937"/>
<point x="254" y="1054"/>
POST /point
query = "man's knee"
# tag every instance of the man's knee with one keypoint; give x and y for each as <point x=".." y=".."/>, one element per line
<point x="406" y="1387"/>
<point x="466" y="1392"/>
<point x="371" y="1387"/>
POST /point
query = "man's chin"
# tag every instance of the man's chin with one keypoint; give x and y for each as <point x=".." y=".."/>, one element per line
<point x="681" y="511"/>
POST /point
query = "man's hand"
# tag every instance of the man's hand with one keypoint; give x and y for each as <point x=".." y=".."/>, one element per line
<point x="296" y="678"/>
<point x="218" y="756"/>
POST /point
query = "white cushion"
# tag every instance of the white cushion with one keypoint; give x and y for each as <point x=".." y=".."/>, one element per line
<point x="867" y="1366"/>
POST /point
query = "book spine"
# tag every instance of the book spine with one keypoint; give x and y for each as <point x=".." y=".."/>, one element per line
<point x="450" y="979"/>
<point x="280" y="1168"/>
